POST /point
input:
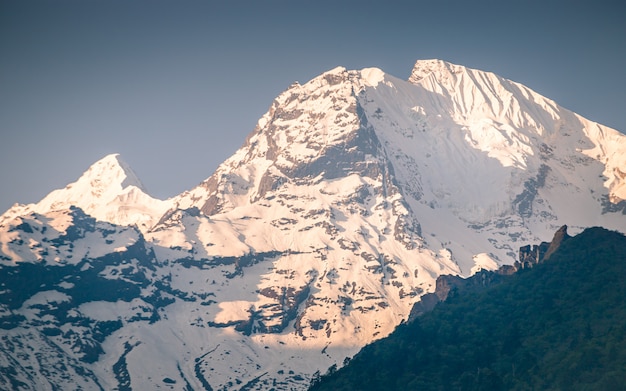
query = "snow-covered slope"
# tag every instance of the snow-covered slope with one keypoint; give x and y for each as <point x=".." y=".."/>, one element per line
<point x="354" y="192"/>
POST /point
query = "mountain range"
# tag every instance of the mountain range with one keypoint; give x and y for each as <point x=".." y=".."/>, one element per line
<point x="354" y="192"/>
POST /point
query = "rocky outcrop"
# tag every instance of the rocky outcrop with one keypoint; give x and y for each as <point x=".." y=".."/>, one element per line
<point x="530" y="255"/>
<point x="450" y="285"/>
<point x="559" y="237"/>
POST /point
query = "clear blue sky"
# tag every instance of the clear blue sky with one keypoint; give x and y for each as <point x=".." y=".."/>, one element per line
<point x="175" y="86"/>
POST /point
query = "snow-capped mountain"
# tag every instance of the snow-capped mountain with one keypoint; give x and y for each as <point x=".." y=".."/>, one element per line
<point x="352" y="194"/>
<point x="109" y="191"/>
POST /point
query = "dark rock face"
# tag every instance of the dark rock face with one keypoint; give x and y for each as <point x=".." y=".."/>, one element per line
<point x="358" y="153"/>
<point x="612" y="207"/>
<point x="212" y="204"/>
<point x="524" y="200"/>
<point x="531" y="254"/>
<point x="351" y="156"/>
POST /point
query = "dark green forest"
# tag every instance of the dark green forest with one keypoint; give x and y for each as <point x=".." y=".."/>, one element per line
<point x="560" y="325"/>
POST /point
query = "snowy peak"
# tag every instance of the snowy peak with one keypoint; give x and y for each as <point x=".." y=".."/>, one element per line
<point x="109" y="191"/>
<point x="515" y="125"/>
<point x="103" y="182"/>
<point x="424" y="68"/>
<point x="109" y="173"/>
<point x="301" y="136"/>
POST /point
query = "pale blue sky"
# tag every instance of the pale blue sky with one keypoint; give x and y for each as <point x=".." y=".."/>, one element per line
<point x="175" y="86"/>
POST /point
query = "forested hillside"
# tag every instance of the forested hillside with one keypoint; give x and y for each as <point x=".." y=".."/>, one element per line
<point x="559" y="325"/>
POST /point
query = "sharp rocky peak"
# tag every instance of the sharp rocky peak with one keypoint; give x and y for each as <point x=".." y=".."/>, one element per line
<point x="312" y="130"/>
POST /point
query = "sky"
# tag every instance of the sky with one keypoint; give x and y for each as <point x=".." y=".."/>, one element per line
<point x="176" y="86"/>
